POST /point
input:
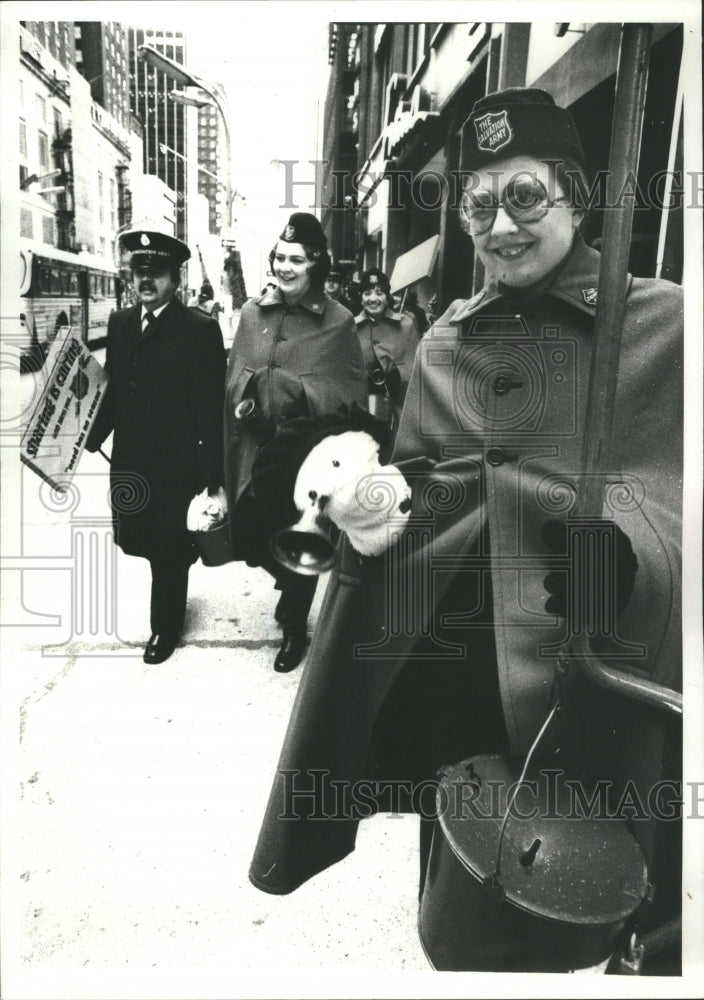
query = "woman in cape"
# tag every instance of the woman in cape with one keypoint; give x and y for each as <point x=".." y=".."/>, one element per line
<point x="449" y="608"/>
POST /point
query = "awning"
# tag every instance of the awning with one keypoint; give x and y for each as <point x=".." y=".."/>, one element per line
<point x="415" y="264"/>
<point x="406" y="127"/>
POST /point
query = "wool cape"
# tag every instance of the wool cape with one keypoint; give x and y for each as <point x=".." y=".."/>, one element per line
<point x="490" y="440"/>
<point x="292" y="361"/>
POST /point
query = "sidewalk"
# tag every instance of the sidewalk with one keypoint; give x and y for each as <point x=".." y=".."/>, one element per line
<point x="142" y="791"/>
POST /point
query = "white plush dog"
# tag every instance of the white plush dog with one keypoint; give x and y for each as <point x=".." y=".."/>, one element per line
<point x="341" y="476"/>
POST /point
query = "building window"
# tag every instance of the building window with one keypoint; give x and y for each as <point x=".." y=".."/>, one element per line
<point x="26" y="227"/>
<point x="48" y="233"/>
<point x="43" y="150"/>
<point x="41" y="108"/>
<point x="101" y="207"/>
<point x="23" y="141"/>
<point x="22" y="93"/>
<point x="113" y="205"/>
<point x="58" y="123"/>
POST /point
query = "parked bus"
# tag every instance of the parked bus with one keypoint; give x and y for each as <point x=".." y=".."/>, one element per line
<point x="63" y="289"/>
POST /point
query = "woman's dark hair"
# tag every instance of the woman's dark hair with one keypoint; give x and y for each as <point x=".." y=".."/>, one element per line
<point x="320" y="259"/>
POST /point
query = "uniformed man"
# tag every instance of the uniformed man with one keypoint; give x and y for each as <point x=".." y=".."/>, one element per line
<point x="333" y="289"/>
<point x="166" y="368"/>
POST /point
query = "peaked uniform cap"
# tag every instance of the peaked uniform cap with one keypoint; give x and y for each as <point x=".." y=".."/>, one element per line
<point x="149" y="247"/>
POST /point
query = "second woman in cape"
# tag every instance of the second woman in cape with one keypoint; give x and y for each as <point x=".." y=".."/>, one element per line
<point x="295" y="353"/>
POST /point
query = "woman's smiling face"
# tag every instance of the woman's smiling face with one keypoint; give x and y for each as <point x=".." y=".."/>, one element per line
<point x="292" y="270"/>
<point x="521" y="254"/>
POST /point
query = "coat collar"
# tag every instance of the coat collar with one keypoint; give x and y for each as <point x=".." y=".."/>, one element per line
<point x="394" y="317"/>
<point x="576" y="283"/>
<point x="315" y="301"/>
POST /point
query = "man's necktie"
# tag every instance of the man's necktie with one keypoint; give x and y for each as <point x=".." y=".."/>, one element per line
<point x="148" y="322"/>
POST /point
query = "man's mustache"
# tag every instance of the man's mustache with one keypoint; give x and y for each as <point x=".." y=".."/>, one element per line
<point x="147" y="286"/>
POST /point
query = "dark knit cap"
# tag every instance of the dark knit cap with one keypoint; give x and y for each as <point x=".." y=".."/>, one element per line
<point x="304" y="228"/>
<point x="519" y="121"/>
<point x="375" y="278"/>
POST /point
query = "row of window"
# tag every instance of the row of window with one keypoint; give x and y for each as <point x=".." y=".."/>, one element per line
<point x="65" y="281"/>
<point x="27" y="227"/>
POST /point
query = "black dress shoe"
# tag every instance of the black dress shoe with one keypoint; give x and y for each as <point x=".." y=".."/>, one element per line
<point x="160" y="648"/>
<point x="291" y="653"/>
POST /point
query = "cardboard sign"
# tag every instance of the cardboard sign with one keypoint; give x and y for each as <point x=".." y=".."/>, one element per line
<point x="56" y="431"/>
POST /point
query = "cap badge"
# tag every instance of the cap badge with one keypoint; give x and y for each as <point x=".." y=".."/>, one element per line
<point x="373" y="279"/>
<point x="493" y="131"/>
<point x="144" y="240"/>
<point x="289" y="233"/>
<point x="589" y="296"/>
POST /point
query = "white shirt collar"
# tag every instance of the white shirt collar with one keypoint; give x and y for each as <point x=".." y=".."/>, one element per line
<point x="155" y="312"/>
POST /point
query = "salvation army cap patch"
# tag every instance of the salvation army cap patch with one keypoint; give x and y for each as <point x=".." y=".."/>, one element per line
<point x="304" y="228"/>
<point x="374" y="278"/>
<point x="519" y="121"/>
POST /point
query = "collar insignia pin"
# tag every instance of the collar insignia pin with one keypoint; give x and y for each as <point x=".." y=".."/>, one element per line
<point x="589" y="296"/>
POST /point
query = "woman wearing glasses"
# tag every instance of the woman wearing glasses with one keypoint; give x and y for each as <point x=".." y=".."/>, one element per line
<point x="444" y="644"/>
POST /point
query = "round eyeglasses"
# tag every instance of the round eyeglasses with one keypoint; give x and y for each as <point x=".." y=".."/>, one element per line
<point x="525" y="199"/>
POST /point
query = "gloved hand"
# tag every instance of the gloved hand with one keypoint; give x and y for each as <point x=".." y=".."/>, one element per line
<point x="616" y="587"/>
<point x="341" y="476"/>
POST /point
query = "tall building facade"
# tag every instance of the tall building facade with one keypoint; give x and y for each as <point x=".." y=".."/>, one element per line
<point x="208" y="164"/>
<point x="76" y="158"/>
<point x="57" y="37"/>
<point x="164" y="121"/>
<point x="101" y="57"/>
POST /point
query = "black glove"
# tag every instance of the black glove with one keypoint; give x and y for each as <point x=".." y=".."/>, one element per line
<point x="615" y="588"/>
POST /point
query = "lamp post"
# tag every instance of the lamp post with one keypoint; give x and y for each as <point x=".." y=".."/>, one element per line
<point x="182" y="76"/>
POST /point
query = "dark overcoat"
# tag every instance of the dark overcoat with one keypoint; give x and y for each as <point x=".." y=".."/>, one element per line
<point x="292" y="361"/>
<point x="490" y="439"/>
<point x="164" y="407"/>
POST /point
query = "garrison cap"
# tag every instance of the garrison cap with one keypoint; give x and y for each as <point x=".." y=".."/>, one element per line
<point x="519" y="121"/>
<point x="304" y="228"/>
<point x="149" y="248"/>
<point x="374" y="278"/>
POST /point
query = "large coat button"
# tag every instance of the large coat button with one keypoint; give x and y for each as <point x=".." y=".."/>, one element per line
<point x="496" y="456"/>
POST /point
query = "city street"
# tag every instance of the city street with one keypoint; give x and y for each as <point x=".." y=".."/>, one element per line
<point x="141" y="788"/>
